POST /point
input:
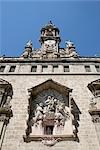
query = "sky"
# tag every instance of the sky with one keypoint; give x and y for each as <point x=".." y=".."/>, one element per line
<point x="22" y="20"/>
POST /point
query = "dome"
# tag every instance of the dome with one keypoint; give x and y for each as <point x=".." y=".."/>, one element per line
<point x="50" y="25"/>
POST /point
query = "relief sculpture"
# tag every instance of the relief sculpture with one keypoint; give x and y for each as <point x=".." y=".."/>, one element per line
<point x="51" y="117"/>
<point x="53" y="114"/>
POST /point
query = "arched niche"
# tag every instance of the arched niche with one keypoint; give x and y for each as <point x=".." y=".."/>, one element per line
<point x="6" y="93"/>
<point x="94" y="108"/>
<point x="50" y="112"/>
<point x="94" y="87"/>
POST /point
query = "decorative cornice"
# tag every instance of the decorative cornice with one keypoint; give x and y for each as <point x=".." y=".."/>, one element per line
<point x="38" y="60"/>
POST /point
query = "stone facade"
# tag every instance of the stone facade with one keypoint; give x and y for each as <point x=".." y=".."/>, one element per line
<point x="56" y="72"/>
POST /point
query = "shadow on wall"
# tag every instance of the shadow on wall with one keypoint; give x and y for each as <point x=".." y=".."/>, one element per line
<point x="76" y="113"/>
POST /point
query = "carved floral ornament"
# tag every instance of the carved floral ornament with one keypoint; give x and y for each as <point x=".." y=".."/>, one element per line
<point x="50" y="115"/>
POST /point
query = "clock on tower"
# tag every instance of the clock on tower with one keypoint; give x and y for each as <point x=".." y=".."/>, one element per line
<point x="50" y="38"/>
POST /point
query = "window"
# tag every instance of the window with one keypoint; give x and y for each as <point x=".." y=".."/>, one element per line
<point x="66" y="68"/>
<point x="97" y="68"/>
<point x="55" y="68"/>
<point x="87" y="69"/>
<point x="12" y="68"/>
<point x="49" y="130"/>
<point x="2" y="68"/>
<point x="33" y="68"/>
<point x="44" y="68"/>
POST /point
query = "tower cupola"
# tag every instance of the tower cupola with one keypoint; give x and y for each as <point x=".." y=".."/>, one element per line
<point x="50" y="38"/>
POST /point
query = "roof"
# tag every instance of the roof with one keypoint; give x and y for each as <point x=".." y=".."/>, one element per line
<point x="49" y="25"/>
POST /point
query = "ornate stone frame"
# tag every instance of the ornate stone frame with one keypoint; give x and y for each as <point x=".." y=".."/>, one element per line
<point x="49" y="140"/>
<point x="94" y="110"/>
<point x="6" y="93"/>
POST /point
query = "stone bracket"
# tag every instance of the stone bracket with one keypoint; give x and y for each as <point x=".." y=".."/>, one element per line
<point x="49" y="140"/>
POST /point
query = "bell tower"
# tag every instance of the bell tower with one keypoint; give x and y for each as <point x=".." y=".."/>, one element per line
<point x="50" y="38"/>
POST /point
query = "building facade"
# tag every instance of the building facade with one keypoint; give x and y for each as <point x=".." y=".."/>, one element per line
<point x="50" y="97"/>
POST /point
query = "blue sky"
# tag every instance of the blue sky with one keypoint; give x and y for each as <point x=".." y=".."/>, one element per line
<point x="22" y="20"/>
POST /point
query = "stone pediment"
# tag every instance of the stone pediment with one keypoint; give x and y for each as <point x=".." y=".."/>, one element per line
<point x="3" y="82"/>
<point x="94" y="87"/>
<point x="6" y="86"/>
<point x="50" y="84"/>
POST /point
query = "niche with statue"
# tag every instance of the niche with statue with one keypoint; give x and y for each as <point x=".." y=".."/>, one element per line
<point x="50" y="113"/>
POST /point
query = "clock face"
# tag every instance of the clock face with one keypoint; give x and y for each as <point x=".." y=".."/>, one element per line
<point x="50" y="45"/>
<point x="50" y="42"/>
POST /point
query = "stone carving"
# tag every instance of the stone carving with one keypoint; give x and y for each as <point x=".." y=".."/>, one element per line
<point x="28" y="50"/>
<point x="39" y="112"/>
<point x="52" y="105"/>
<point x="70" y="49"/>
<point x="7" y="104"/>
<point x="51" y="110"/>
<point x="6" y="93"/>
<point x="93" y="103"/>
<point x="50" y="45"/>
<point x="50" y="141"/>
<point x="96" y="118"/>
<point x="69" y="44"/>
<point x="29" y="44"/>
<point x="95" y="115"/>
<point x="50" y="114"/>
<point x="94" y="87"/>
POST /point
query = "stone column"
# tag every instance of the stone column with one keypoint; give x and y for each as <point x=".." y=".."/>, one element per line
<point x="50" y="67"/>
<point x="7" y="68"/>
<point x="39" y="68"/>
<point x="17" y="68"/>
<point x="61" y="68"/>
<point x="93" y="69"/>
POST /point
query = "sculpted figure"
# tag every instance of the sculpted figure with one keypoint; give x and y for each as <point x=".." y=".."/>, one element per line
<point x="50" y="103"/>
<point x="69" y="44"/>
<point x="29" y="43"/>
<point x="25" y="54"/>
<point x="7" y="104"/>
<point x="39" y="112"/>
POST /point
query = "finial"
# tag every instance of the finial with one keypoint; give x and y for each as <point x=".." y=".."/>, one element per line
<point x="69" y="43"/>
<point x="50" y="22"/>
<point x="29" y="43"/>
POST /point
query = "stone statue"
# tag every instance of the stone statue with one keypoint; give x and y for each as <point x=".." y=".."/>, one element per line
<point x="7" y="104"/>
<point x="70" y="49"/>
<point x="38" y="112"/>
<point x="50" y="103"/>
<point x="51" y="109"/>
<point x="69" y="44"/>
<point x="29" y="44"/>
<point x="93" y="103"/>
<point x="28" y="50"/>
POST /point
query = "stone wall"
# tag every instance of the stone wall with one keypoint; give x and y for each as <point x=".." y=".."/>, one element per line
<point x="13" y="140"/>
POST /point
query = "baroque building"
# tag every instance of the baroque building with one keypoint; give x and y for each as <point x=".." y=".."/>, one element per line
<point x="50" y="97"/>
